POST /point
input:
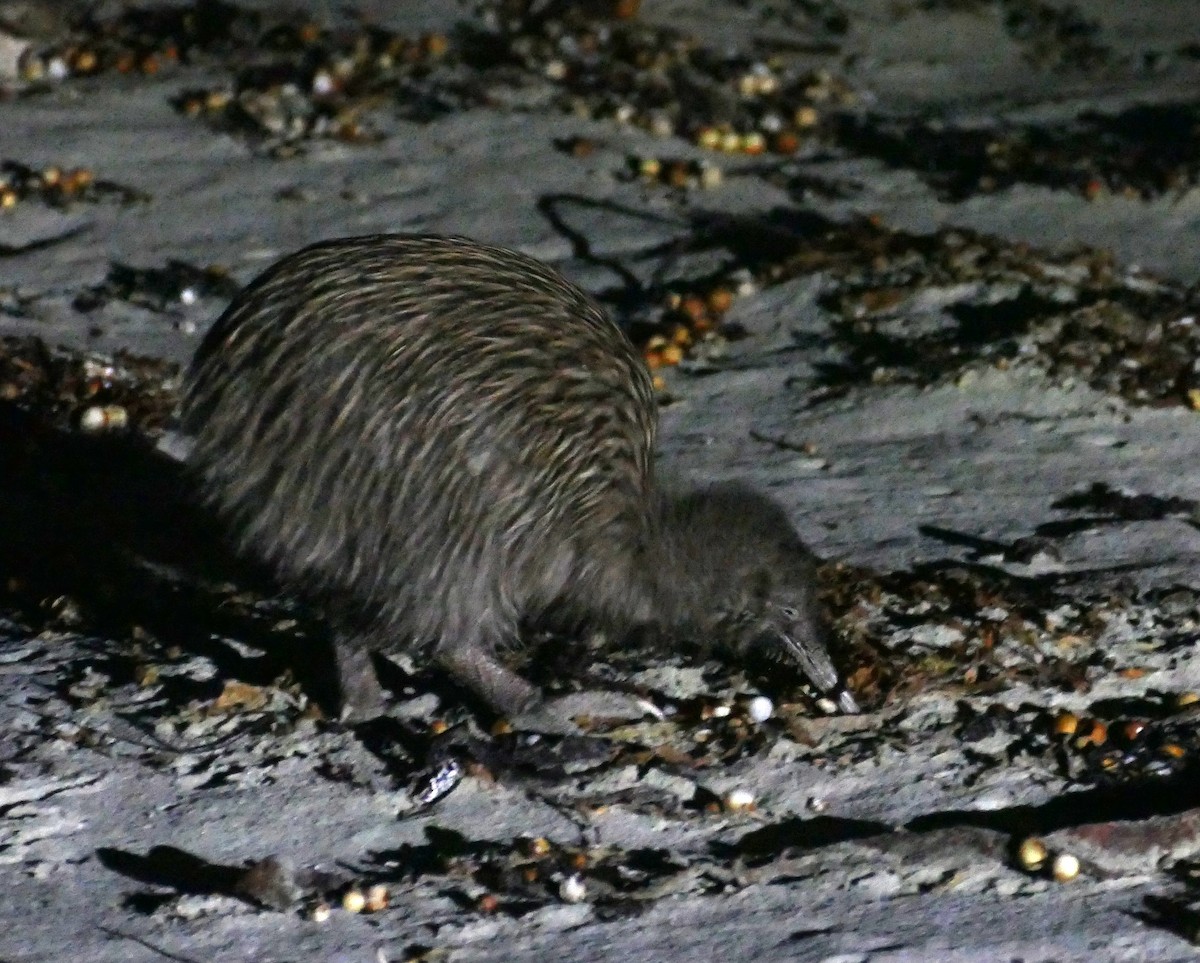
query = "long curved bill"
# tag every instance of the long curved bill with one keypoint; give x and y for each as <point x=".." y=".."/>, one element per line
<point x="810" y="655"/>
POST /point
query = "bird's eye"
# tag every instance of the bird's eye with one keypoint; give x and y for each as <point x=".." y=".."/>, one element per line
<point x="789" y="612"/>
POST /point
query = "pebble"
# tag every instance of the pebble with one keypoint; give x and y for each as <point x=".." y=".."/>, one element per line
<point x="760" y="709"/>
<point x="572" y="889"/>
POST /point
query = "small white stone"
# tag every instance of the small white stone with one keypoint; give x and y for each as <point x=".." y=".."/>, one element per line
<point x="377" y="898"/>
<point x="743" y="282"/>
<point x="572" y="889"/>
<point x="662" y="126"/>
<point x="738" y="800"/>
<point x="93" y="419"/>
<point x="1065" y="867"/>
<point x="13" y="51"/>
<point x="770" y="123"/>
<point x="760" y="709"/>
<point x="1031" y="854"/>
<point x="322" y="83"/>
<point x="103" y="418"/>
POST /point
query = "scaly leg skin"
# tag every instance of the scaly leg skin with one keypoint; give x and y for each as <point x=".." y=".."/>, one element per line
<point x="479" y="671"/>
<point x="501" y="688"/>
<point x="360" y="694"/>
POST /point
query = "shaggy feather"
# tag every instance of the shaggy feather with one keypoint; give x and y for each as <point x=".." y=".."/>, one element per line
<point x="439" y="439"/>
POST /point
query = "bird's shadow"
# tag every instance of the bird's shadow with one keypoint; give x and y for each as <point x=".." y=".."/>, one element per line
<point x="108" y="525"/>
<point x="168" y="866"/>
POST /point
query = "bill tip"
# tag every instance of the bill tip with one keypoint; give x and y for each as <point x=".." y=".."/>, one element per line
<point x="847" y="703"/>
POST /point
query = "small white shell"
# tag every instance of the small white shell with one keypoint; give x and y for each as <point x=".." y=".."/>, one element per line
<point x="572" y="889"/>
<point x="103" y="418"/>
<point x="738" y="800"/>
<point x="376" y="898"/>
<point x="770" y="123"/>
<point x="1065" y="867"/>
<point x="1032" y="854"/>
<point x="662" y="126"/>
<point x="322" y="83"/>
<point x="760" y="709"/>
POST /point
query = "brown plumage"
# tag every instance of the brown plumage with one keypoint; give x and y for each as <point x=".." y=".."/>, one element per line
<point x="441" y="440"/>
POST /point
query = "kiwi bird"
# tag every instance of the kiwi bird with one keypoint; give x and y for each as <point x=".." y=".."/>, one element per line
<point x="442" y="442"/>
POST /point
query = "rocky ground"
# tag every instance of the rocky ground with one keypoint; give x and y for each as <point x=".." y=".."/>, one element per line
<point x="924" y="270"/>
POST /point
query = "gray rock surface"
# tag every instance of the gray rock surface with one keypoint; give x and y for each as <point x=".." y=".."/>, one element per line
<point x="132" y="796"/>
